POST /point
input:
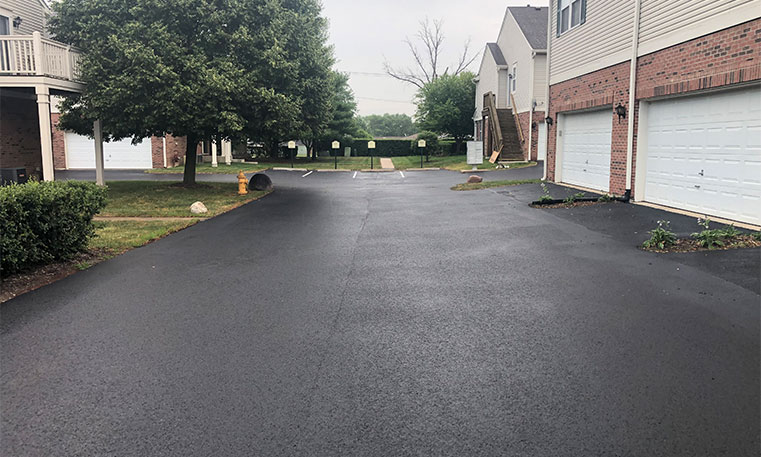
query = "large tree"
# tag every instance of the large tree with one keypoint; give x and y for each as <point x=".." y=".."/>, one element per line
<point x="445" y="106"/>
<point x="427" y="56"/>
<point x="202" y="69"/>
<point x="342" y="125"/>
<point x="390" y="124"/>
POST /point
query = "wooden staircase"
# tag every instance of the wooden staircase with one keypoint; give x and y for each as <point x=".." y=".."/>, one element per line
<point x="506" y="138"/>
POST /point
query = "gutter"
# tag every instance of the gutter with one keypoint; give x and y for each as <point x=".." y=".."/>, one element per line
<point x="547" y="89"/>
<point x="632" y="99"/>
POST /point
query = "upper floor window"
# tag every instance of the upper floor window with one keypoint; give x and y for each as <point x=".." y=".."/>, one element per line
<point x="513" y="78"/>
<point x="571" y="13"/>
<point x="5" y="25"/>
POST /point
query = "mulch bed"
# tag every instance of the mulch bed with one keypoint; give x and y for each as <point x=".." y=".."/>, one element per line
<point x="34" y="278"/>
<point x="571" y="205"/>
<point x="691" y="245"/>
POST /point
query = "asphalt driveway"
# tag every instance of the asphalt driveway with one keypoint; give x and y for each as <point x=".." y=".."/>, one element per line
<point x="382" y="314"/>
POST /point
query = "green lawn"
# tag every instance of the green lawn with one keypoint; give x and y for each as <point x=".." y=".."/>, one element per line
<point x="167" y="199"/>
<point x="118" y="236"/>
<point x="454" y="163"/>
<point x="322" y="163"/>
<point x="490" y="184"/>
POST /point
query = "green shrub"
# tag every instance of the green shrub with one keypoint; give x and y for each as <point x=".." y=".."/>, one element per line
<point x="41" y="222"/>
<point x="383" y="148"/>
<point x="661" y="237"/>
<point x="431" y="142"/>
<point x="713" y="238"/>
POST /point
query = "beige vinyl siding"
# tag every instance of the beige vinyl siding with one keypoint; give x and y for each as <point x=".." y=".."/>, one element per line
<point x="540" y="81"/>
<point x="32" y="15"/>
<point x="489" y="80"/>
<point x="665" y="23"/>
<point x="605" y="39"/>
<point x="517" y="52"/>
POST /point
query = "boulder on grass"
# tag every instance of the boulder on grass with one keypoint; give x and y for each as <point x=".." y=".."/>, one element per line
<point x="198" y="208"/>
<point x="260" y="181"/>
<point x="474" y="179"/>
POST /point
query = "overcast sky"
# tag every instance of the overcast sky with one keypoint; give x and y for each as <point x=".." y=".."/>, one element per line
<point x="365" y="32"/>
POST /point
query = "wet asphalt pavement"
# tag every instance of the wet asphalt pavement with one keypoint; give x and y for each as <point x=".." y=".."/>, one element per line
<point x="385" y="315"/>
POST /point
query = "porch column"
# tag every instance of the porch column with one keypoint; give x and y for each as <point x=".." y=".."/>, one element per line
<point x="214" y="154"/>
<point x="46" y="132"/>
<point x="98" y="134"/>
<point x="227" y="151"/>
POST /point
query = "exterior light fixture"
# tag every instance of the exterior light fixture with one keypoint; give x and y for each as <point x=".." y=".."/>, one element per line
<point x="17" y="22"/>
<point x="621" y="111"/>
<point x="548" y="120"/>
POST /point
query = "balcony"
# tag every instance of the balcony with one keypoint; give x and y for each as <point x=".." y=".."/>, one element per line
<point x="34" y="56"/>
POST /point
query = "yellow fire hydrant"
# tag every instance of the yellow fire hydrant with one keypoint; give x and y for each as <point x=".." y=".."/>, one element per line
<point x="242" y="183"/>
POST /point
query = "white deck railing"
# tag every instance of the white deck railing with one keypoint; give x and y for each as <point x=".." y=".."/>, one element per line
<point x="32" y="55"/>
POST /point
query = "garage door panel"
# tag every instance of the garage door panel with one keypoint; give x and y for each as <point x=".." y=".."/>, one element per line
<point x="586" y="149"/>
<point x="80" y="153"/>
<point x="704" y="154"/>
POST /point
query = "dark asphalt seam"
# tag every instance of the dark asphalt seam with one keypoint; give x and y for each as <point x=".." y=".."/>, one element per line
<point x="334" y="325"/>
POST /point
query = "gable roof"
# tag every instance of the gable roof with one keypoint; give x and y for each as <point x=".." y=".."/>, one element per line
<point x="533" y="23"/>
<point x="496" y="53"/>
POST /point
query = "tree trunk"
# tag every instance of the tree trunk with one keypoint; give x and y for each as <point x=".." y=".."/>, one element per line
<point x="189" y="176"/>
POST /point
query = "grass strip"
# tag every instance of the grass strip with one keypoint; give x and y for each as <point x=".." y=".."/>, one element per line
<point x="168" y="199"/>
<point x="492" y="184"/>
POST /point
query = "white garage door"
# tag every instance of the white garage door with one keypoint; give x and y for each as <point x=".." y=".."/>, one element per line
<point x="80" y="152"/>
<point x="704" y="154"/>
<point x="586" y="149"/>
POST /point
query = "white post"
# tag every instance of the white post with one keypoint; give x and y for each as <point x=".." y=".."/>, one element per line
<point x="39" y="65"/>
<point x="227" y="151"/>
<point x="46" y="132"/>
<point x="67" y="65"/>
<point x="214" y="154"/>
<point x="98" y="131"/>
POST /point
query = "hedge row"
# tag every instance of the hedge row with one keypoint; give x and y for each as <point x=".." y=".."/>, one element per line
<point x="42" y="222"/>
<point x="393" y="148"/>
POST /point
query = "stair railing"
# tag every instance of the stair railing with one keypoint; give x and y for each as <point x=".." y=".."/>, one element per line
<point x="516" y="119"/>
<point x="491" y="106"/>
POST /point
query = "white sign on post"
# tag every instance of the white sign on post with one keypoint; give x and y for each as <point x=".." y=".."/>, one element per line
<point x="475" y="153"/>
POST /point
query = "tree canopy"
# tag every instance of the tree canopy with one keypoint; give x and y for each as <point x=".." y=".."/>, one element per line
<point x="445" y="106"/>
<point x="204" y="69"/>
<point x="389" y="124"/>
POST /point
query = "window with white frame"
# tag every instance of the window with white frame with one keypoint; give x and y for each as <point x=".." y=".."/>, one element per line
<point x="571" y="13"/>
<point x="513" y="78"/>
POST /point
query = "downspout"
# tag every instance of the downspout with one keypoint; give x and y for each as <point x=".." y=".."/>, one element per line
<point x="531" y="105"/>
<point x="632" y="100"/>
<point x="547" y="88"/>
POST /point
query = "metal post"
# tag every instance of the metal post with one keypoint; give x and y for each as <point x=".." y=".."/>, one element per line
<point x="335" y="159"/>
<point x="371" y="159"/>
<point x="421" y="157"/>
<point x="291" y="156"/>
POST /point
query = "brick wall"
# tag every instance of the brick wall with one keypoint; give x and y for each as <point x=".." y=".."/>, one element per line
<point x="59" y="146"/>
<point x="527" y="128"/>
<point x="721" y="59"/>
<point x="157" y="151"/>
<point x="20" y="135"/>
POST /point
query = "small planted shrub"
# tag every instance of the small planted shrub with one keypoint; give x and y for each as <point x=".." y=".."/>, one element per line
<point x="605" y="198"/>
<point x="710" y="238"/>
<point x="572" y="198"/>
<point x="756" y="236"/>
<point x="42" y="222"/>
<point x="546" y="198"/>
<point x="731" y="232"/>
<point x="661" y="237"/>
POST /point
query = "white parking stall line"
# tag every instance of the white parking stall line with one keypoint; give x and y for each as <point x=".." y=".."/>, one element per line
<point x="355" y="175"/>
<point x="305" y="175"/>
<point x="401" y="173"/>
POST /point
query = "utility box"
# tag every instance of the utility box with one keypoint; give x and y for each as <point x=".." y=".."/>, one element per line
<point x="13" y="175"/>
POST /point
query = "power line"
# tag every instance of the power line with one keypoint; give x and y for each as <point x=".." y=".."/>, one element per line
<point x="366" y="73"/>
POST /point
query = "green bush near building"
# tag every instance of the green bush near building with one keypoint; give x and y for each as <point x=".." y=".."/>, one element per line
<point x="43" y="222"/>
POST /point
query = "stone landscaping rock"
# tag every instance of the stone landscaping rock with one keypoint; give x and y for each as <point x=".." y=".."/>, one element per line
<point x="198" y="208"/>
<point x="474" y="179"/>
<point x="260" y="181"/>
